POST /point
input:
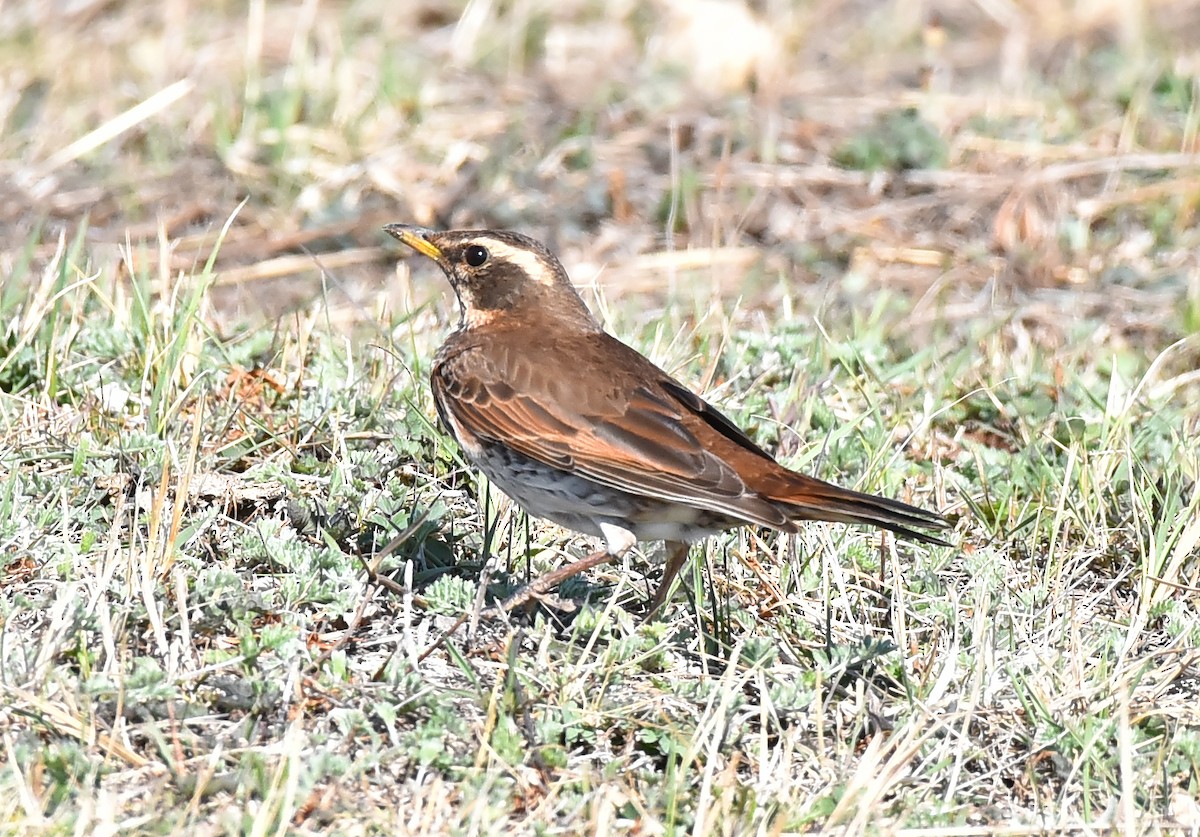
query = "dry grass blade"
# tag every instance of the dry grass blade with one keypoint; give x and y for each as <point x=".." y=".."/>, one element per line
<point x="133" y="117"/>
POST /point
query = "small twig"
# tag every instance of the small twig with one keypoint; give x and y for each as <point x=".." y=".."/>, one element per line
<point x="351" y="629"/>
<point x="480" y="593"/>
<point x="292" y="264"/>
<point x="372" y="568"/>
<point x="441" y="640"/>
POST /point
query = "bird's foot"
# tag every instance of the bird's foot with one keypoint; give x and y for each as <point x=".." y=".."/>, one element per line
<point x="677" y="553"/>
<point x="537" y="589"/>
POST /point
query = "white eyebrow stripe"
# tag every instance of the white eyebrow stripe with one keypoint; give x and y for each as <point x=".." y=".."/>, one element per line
<point x="527" y="260"/>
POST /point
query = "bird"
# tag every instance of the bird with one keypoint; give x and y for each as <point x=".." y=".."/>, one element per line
<point x="582" y="430"/>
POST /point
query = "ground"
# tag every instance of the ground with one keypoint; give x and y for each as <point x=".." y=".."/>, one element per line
<point x="945" y="252"/>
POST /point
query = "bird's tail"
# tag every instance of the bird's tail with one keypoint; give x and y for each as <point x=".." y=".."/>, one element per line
<point x="806" y="498"/>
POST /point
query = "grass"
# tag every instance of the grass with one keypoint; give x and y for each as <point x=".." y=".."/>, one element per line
<point x="946" y="260"/>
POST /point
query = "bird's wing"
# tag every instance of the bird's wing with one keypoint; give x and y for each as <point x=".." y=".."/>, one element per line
<point x="651" y="438"/>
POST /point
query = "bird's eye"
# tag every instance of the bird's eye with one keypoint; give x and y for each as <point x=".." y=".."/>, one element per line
<point x="475" y="255"/>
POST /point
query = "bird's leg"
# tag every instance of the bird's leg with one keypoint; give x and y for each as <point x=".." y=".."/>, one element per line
<point x="543" y="584"/>
<point x="526" y="593"/>
<point x="618" y="541"/>
<point x="677" y="553"/>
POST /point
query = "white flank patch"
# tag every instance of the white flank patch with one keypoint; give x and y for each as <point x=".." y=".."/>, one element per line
<point x="617" y="539"/>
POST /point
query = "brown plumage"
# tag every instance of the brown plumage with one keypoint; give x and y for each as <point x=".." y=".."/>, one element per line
<point x="582" y="430"/>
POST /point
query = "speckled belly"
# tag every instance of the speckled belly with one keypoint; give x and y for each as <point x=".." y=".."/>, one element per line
<point x="578" y="503"/>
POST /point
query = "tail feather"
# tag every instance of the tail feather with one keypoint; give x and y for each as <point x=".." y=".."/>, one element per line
<point x="812" y="499"/>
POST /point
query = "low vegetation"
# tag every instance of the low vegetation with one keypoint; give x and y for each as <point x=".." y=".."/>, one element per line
<point x="950" y="259"/>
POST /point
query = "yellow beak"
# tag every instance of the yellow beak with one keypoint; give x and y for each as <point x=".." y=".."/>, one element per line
<point x="415" y="237"/>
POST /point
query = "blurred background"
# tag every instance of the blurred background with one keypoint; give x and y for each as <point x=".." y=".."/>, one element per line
<point x="933" y="148"/>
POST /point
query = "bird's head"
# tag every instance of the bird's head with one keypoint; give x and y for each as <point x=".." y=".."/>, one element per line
<point x="495" y="273"/>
